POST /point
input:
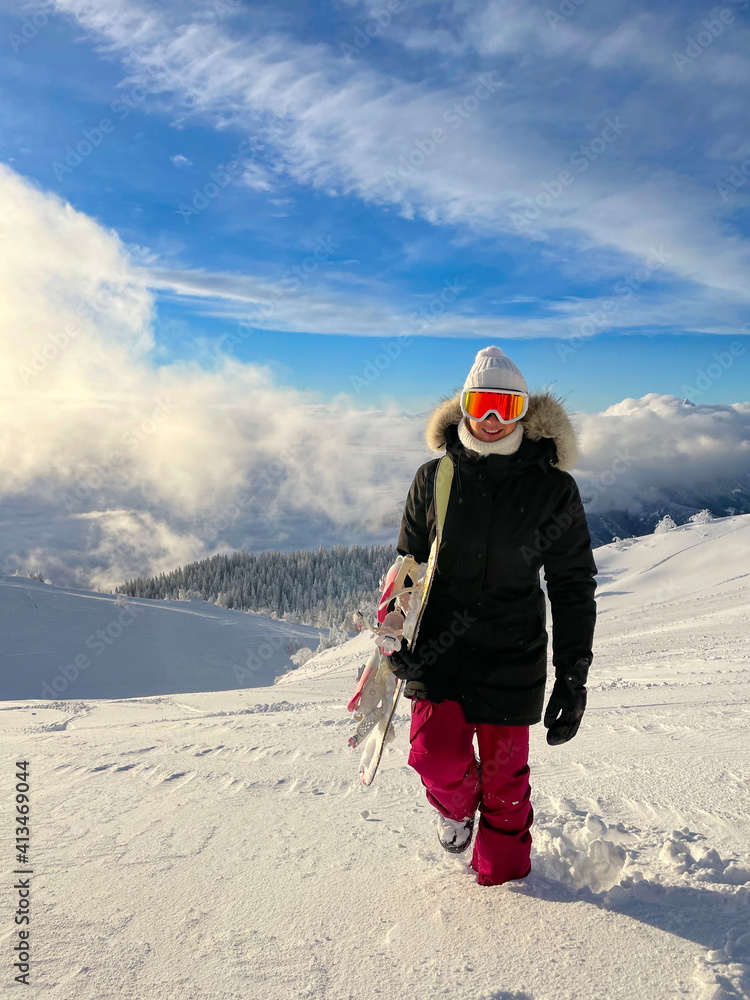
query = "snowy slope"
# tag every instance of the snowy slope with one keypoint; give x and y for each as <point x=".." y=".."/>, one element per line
<point x="218" y="845"/>
<point x="55" y="641"/>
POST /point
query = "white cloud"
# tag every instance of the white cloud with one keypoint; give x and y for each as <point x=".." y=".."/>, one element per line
<point x="181" y="161"/>
<point x="344" y="128"/>
<point x="657" y="442"/>
<point x="507" y="26"/>
<point x="250" y="301"/>
<point x="161" y="459"/>
<point x="256" y="177"/>
<point x="122" y="539"/>
<point x="337" y="303"/>
<point x="100" y="549"/>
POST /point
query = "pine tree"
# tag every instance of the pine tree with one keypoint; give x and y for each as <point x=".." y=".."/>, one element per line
<point x="666" y="524"/>
<point x="321" y="587"/>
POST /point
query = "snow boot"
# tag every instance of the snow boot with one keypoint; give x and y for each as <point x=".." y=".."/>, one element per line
<point x="454" y="834"/>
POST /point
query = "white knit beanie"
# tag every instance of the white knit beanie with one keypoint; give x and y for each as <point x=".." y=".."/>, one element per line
<point x="492" y="369"/>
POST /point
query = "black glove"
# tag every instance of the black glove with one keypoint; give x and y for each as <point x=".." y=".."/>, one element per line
<point x="567" y="704"/>
<point x="405" y="665"/>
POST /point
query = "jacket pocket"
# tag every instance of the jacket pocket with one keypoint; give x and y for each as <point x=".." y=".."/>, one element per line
<point x="518" y="633"/>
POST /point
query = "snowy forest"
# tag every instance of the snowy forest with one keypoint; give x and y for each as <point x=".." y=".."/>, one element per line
<point x="322" y="587"/>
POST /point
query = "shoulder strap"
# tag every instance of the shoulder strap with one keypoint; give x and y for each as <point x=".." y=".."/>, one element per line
<point x="443" y="481"/>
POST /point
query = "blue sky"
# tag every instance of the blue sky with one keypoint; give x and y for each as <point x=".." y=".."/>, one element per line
<point x="561" y="174"/>
<point x="246" y="248"/>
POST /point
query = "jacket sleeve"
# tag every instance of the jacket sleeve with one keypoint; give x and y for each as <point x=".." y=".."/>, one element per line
<point x="414" y="537"/>
<point x="569" y="571"/>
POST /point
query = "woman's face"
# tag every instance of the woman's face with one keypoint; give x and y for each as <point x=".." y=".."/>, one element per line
<point x="490" y="429"/>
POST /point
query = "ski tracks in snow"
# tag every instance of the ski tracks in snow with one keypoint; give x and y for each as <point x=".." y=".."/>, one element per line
<point x="271" y="774"/>
<point x="156" y="810"/>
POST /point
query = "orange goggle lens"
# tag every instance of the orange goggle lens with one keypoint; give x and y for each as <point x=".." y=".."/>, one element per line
<point x="509" y="406"/>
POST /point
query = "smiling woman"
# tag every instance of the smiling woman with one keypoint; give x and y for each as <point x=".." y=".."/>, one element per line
<point x="492" y="413"/>
<point x="512" y="511"/>
<point x="244" y="246"/>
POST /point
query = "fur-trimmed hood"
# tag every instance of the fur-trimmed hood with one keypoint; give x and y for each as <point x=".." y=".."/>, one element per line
<point x="545" y="418"/>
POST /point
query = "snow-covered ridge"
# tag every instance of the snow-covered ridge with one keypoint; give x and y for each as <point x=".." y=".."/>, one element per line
<point x="681" y="564"/>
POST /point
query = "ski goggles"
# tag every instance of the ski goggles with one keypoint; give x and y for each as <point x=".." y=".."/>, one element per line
<point x="507" y="406"/>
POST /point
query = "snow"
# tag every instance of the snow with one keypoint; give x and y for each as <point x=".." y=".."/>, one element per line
<point x="59" y="641"/>
<point x="218" y="844"/>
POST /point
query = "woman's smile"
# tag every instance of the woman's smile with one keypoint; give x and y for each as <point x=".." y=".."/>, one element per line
<point x="490" y="429"/>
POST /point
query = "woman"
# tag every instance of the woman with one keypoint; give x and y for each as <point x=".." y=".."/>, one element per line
<point x="480" y="660"/>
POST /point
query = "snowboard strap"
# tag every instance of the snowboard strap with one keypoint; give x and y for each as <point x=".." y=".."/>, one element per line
<point x="442" y="489"/>
<point x="443" y="481"/>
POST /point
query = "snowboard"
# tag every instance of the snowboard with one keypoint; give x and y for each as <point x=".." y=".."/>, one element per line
<point x="381" y="735"/>
<point x="380" y="727"/>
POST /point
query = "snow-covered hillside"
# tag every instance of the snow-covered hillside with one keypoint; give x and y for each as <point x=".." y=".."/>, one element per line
<point x="66" y="643"/>
<point x="217" y="845"/>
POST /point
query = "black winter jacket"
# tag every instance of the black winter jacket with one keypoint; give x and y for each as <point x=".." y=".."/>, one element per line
<point x="483" y="640"/>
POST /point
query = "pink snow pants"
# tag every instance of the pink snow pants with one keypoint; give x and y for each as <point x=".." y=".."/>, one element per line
<point x="442" y="754"/>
